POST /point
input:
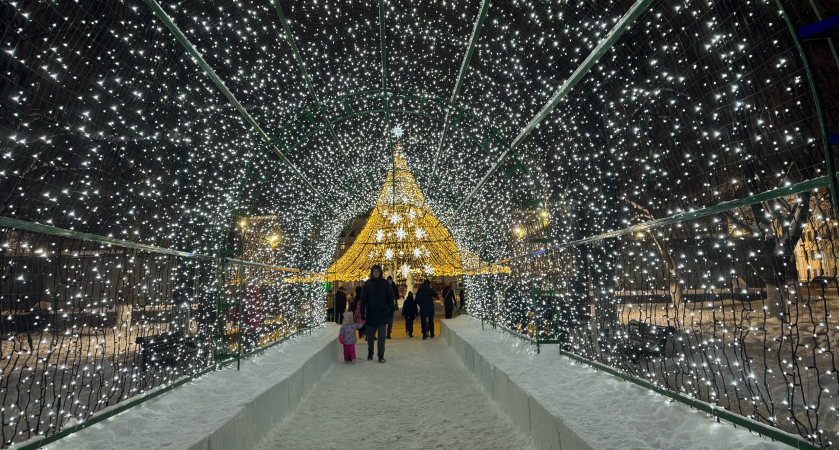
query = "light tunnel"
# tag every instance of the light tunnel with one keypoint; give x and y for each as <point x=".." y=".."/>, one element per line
<point x="647" y="187"/>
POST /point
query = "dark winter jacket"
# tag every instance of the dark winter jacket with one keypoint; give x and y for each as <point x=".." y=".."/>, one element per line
<point x="410" y="310"/>
<point x="425" y="300"/>
<point x="448" y="299"/>
<point x="377" y="305"/>
<point x="396" y="290"/>
<point x="340" y="301"/>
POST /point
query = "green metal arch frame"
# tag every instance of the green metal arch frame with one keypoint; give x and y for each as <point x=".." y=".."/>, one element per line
<point x="303" y="126"/>
<point x="304" y="123"/>
<point x="818" y="105"/>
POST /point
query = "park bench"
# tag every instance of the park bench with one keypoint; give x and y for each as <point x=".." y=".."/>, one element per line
<point x="166" y="348"/>
<point x="820" y="280"/>
<point x="644" y="339"/>
<point x="640" y="339"/>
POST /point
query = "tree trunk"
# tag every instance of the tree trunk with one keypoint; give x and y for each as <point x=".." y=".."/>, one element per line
<point x="772" y="305"/>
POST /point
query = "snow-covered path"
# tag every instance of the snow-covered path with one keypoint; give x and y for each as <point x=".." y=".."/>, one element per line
<point x="423" y="397"/>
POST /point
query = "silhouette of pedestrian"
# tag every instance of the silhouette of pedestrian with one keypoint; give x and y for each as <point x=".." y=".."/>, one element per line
<point x="376" y="306"/>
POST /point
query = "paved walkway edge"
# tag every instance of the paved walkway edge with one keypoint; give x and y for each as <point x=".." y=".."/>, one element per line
<point x="527" y="413"/>
<point x="261" y="414"/>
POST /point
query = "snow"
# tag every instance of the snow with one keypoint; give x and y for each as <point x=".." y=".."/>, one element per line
<point x="587" y="407"/>
<point x="223" y="409"/>
<point x="423" y="397"/>
<point x="467" y="388"/>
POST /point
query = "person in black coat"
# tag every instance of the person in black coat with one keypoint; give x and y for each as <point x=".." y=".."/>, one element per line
<point x="409" y="312"/>
<point x="377" y="306"/>
<point x="340" y="305"/>
<point x="448" y="300"/>
<point x="358" y="297"/>
<point x="425" y="300"/>
<point x="396" y="291"/>
<point x="461" y="295"/>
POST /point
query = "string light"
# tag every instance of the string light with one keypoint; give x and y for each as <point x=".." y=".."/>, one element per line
<point x="112" y="129"/>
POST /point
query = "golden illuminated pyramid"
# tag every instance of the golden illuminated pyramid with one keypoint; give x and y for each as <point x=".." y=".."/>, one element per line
<point x="402" y="235"/>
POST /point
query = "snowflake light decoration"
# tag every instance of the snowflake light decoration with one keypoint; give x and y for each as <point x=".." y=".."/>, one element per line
<point x="405" y="269"/>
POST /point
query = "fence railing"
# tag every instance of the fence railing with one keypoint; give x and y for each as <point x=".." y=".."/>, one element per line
<point x="91" y="323"/>
<point x="733" y="307"/>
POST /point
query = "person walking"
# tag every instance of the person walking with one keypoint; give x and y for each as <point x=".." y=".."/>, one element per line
<point x="347" y="336"/>
<point x="461" y="295"/>
<point x="409" y="312"/>
<point x="358" y="297"/>
<point x="448" y="300"/>
<point x="396" y="291"/>
<point x="376" y="306"/>
<point x="425" y="300"/>
<point x="340" y="305"/>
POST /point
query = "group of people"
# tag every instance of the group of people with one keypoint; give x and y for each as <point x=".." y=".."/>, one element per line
<point x="423" y="306"/>
<point x="372" y="310"/>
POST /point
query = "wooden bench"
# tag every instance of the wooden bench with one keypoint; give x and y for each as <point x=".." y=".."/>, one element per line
<point x="638" y="339"/>
<point x="820" y="280"/>
<point x="167" y="348"/>
<point x="646" y="340"/>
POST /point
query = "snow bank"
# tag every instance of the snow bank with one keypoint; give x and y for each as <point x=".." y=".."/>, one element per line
<point x="226" y="409"/>
<point x="560" y="403"/>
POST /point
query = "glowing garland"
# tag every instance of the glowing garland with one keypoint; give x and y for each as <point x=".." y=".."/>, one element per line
<point x="403" y="234"/>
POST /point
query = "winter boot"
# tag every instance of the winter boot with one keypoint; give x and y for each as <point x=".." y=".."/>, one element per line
<point x="370" y="356"/>
<point x="382" y="360"/>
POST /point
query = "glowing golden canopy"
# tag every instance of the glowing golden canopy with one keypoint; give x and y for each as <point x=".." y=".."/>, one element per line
<point x="401" y="234"/>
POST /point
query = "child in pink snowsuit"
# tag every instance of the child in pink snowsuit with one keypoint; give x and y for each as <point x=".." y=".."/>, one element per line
<point x="347" y="336"/>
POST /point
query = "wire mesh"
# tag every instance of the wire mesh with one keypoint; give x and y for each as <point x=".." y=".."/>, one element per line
<point x="715" y="308"/>
<point x="110" y="128"/>
<point x="78" y="322"/>
<point x="88" y="325"/>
